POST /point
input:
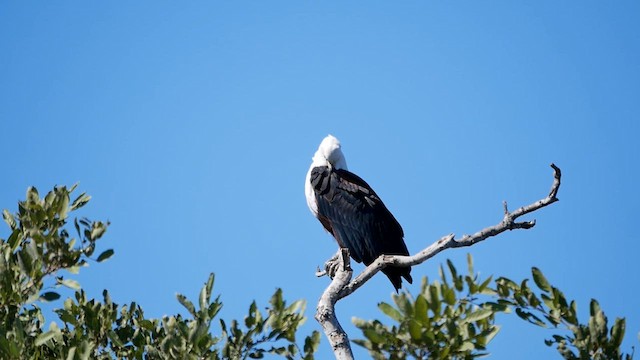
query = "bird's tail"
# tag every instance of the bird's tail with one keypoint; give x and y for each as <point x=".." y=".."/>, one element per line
<point x="396" y="273"/>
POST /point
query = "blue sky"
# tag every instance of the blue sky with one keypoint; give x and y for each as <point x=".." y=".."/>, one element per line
<point x="192" y="125"/>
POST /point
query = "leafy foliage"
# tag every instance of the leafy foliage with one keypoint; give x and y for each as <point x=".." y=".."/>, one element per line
<point x="444" y="321"/>
<point x="280" y="323"/>
<point x="36" y="249"/>
<point x="40" y="245"/>
<point x="450" y="318"/>
<point x="591" y="340"/>
<point x="455" y="319"/>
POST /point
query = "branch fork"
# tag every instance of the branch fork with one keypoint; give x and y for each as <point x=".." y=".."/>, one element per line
<point x="325" y="312"/>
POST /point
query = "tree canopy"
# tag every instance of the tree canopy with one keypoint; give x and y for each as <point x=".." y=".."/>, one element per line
<point x="453" y="317"/>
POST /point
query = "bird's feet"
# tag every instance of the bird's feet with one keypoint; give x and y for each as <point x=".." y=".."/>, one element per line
<point x="338" y="261"/>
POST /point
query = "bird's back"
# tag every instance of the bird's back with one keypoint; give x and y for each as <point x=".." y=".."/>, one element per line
<point x="351" y="210"/>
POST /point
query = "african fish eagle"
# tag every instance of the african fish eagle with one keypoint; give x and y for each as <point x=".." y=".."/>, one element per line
<point x="352" y="212"/>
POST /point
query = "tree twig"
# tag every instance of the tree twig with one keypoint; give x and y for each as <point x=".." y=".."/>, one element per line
<point x="341" y="285"/>
<point x="449" y="241"/>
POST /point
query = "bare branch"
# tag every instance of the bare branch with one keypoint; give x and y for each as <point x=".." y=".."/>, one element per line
<point x="556" y="182"/>
<point x="449" y="241"/>
<point x="325" y="312"/>
<point x="341" y="287"/>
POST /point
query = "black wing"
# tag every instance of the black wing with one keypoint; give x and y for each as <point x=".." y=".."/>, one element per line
<point x="350" y="210"/>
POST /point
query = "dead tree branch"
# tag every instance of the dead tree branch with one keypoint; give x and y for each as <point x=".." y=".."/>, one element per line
<point x="508" y="223"/>
<point x="325" y="312"/>
<point x="341" y="287"/>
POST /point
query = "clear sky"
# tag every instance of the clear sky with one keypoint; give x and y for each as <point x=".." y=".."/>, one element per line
<point x="192" y="125"/>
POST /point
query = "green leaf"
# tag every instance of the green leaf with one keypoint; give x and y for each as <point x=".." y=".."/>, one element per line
<point x="452" y="269"/>
<point x="14" y="239"/>
<point x="434" y="298"/>
<point x="9" y="347"/>
<point x="32" y="195"/>
<point x="403" y="304"/>
<point x="390" y="311"/>
<point x="478" y="315"/>
<point x="492" y="333"/>
<point x="559" y="298"/>
<point x="497" y="307"/>
<point x="80" y="201"/>
<point x="66" y="317"/>
<point x="205" y="295"/>
<point x="311" y="343"/>
<point x="85" y="350"/>
<point x="44" y="337"/>
<point x="215" y="307"/>
<point x="594" y="307"/>
<point x="471" y="284"/>
<point x="209" y="284"/>
<point x="597" y="321"/>
<point x="276" y="301"/>
<point x="443" y="276"/>
<point x="617" y="332"/>
<point x="466" y="346"/>
<point x="115" y="339"/>
<point x="88" y="251"/>
<point x="105" y="255"/>
<point x="470" y="263"/>
<point x="548" y="301"/>
<point x="72" y="353"/>
<point x="50" y="296"/>
<point x="421" y="310"/>
<point x="72" y="284"/>
<point x="187" y="304"/>
<point x="8" y="218"/>
<point x="26" y="261"/>
<point x="97" y="230"/>
<point x="540" y="280"/>
<point x="63" y="206"/>
<point x="250" y="319"/>
<point x="48" y="200"/>
<point x="77" y="226"/>
<point x="359" y="323"/>
<point x="571" y="314"/>
<point x="527" y="316"/>
<point x="483" y="287"/>
<point x="415" y="330"/>
<point x="372" y="335"/>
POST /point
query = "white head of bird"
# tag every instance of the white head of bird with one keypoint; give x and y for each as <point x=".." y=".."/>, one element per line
<point x="330" y="154"/>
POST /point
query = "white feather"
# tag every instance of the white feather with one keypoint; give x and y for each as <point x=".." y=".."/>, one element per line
<point x="329" y="153"/>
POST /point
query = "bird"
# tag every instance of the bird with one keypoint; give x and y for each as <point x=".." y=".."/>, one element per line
<point x="350" y="210"/>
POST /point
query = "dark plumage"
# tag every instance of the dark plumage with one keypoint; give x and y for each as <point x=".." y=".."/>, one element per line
<point x="352" y="212"/>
